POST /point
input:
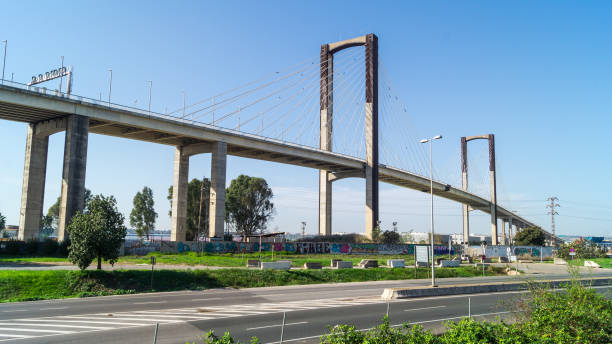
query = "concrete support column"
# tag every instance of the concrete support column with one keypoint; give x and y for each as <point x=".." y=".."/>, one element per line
<point x="218" y="168"/>
<point x="503" y="228"/>
<point x="73" y="174"/>
<point x="33" y="190"/>
<point x="464" y="185"/>
<point x="326" y="130"/>
<point x="371" y="128"/>
<point x="493" y="188"/>
<point x="179" y="195"/>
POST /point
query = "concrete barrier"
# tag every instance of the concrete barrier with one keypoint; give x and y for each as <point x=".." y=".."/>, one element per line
<point x="503" y="259"/>
<point x="524" y="261"/>
<point x="591" y="264"/>
<point x="252" y="263"/>
<point x="368" y="263"/>
<point x="396" y="263"/>
<point x="449" y="264"/>
<point x="280" y="265"/>
<point x="344" y="265"/>
<point x="560" y="261"/>
<point x="334" y="262"/>
<point x="404" y="293"/>
<point x="313" y="265"/>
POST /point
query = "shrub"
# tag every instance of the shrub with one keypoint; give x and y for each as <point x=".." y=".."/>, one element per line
<point x="13" y="247"/>
<point x="49" y="247"/>
<point x="31" y="247"/>
<point x="210" y="338"/>
<point x="583" y="250"/>
<point x="62" y="248"/>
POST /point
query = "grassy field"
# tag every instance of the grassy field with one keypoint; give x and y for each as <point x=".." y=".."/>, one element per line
<point x="40" y="285"/>
<point x="223" y="260"/>
<point x="603" y="262"/>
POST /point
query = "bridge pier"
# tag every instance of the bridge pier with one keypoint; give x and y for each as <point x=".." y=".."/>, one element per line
<point x="371" y="129"/>
<point x="503" y="231"/>
<point x="33" y="190"/>
<point x="325" y="143"/>
<point x="218" y="169"/>
<point x="73" y="174"/>
<point x="178" y="223"/>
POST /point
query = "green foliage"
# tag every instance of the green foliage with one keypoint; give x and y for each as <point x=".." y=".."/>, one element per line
<point x="143" y="214"/>
<point x="583" y="250"/>
<point x="210" y="338"/>
<point x="195" y="189"/>
<point x="49" y="247"/>
<point x="376" y="232"/>
<point x="381" y="334"/>
<point x="390" y="237"/>
<point x="46" y="226"/>
<point x="31" y="247"/>
<point x="530" y="236"/>
<point x="12" y="247"/>
<point x="97" y="233"/>
<point x="248" y="205"/>
<point x="51" y="220"/>
<point x="2" y="222"/>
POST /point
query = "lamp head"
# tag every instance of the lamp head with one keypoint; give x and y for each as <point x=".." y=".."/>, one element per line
<point x="424" y="141"/>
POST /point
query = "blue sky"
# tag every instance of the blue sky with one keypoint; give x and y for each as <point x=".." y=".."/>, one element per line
<point x="536" y="74"/>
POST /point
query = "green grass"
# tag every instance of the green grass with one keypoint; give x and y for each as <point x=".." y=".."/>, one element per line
<point x="603" y="262"/>
<point x="21" y="259"/>
<point x="40" y="285"/>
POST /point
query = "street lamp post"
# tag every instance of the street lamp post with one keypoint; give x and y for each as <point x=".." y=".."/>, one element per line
<point x="433" y="276"/>
<point x="4" y="60"/>
<point x="150" y="90"/>
<point x="110" y="85"/>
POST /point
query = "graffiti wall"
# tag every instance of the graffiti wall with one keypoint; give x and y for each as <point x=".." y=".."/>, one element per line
<point x="499" y="251"/>
<point x="136" y="247"/>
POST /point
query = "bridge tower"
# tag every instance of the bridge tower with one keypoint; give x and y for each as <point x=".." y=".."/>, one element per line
<point x="492" y="186"/>
<point x="326" y="177"/>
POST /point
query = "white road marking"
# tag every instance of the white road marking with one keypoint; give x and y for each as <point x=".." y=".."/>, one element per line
<point x="34" y="330"/>
<point x="81" y="321"/>
<point x="54" y="325"/>
<point x="14" y="335"/>
<point x="418" y="309"/>
<point x="15" y="310"/>
<point x="277" y="325"/>
<point x="148" y="303"/>
<point x="50" y="308"/>
<point x="210" y="299"/>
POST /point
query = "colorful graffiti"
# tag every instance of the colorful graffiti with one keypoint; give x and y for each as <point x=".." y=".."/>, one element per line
<point x="502" y="251"/>
<point x="144" y="247"/>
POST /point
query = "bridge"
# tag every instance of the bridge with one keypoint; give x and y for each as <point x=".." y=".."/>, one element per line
<point x="48" y="112"/>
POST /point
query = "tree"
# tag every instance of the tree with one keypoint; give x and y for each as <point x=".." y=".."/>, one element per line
<point x="97" y="233"/>
<point x="390" y="237"/>
<point x="530" y="236"/>
<point x="248" y="204"/>
<point x="2" y="221"/>
<point x="195" y="189"/>
<point x="143" y="214"/>
<point x="54" y="210"/>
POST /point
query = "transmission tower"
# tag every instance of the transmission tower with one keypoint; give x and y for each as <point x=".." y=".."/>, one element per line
<point x="552" y="213"/>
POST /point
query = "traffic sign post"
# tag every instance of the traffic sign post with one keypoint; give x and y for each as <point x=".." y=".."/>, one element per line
<point x="153" y="262"/>
<point x="572" y="252"/>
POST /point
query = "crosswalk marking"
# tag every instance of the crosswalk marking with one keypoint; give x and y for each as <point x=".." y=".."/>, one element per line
<point x="68" y="324"/>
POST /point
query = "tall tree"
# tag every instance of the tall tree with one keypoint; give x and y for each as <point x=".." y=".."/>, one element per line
<point x="530" y="236"/>
<point x="2" y="222"/>
<point x="143" y="213"/>
<point x="54" y="210"/>
<point x="248" y="204"/>
<point x="195" y="189"/>
<point x="97" y="233"/>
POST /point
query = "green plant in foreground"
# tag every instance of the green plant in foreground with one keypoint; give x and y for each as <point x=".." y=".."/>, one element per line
<point x="210" y="338"/>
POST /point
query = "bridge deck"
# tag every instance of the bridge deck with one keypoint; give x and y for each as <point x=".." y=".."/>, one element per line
<point x="19" y="104"/>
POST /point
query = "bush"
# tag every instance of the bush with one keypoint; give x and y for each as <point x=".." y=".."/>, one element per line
<point x="13" y="247"/>
<point x="49" y="247"/>
<point x="31" y="247"/>
<point x="62" y="248"/>
<point x="210" y="338"/>
<point x="583" y="250"/>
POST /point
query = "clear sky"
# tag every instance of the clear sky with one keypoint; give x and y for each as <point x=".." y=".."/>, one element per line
<point x="536" y="74"/>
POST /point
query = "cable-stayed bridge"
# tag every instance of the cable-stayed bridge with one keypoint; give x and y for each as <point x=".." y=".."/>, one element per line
<point x="325" y="113"/>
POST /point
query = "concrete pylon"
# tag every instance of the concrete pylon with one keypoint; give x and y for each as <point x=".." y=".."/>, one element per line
<point x="178" y="223"/>
<point x="493" y="188"/>
<point x="503" y="232"/>
<point x="371" y="128"/>
<point x="326" y="130"/>
<point x="74" y="170"/>
<point x="464" y="185"/>
<point x="218" y="169"/>
<point x="33" y="190"/>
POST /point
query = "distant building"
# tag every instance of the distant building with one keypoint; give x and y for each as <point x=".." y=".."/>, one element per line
<point x="9" y="232"/>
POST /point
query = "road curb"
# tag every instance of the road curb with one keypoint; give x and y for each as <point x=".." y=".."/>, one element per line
<point x="404" y="293"/>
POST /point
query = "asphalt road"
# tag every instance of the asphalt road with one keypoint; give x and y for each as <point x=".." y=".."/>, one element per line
<point x="183" y="316"/>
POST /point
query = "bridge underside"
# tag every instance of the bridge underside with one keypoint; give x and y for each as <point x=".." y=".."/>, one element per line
<point x="50" y="114"/>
